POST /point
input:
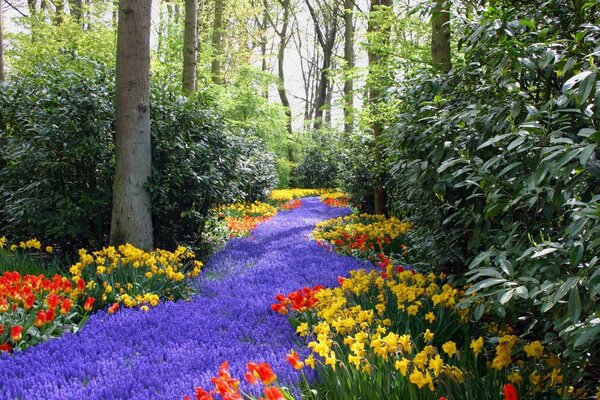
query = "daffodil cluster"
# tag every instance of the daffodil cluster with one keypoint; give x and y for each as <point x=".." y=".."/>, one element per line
<point x="135" y="277"/>
<point x="406" y="335"/>
<point x="284" y="195"/>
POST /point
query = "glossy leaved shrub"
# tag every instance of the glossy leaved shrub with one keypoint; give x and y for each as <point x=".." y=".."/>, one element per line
<point x="497" y="163"/>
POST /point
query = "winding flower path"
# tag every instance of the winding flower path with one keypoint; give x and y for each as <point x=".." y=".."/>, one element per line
<point x="168" y="351"/>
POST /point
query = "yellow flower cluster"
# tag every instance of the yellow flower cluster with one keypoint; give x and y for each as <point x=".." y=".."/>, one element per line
<point x="32" y="244"/>
<point x="288" y="194"/>
<point x="373" y="226"/>
<point x="368" y="324"/>
<point x="368" y="334"/>
<point x="139" y="300"/>
<point x="157" y="262"/>
<point x="248" y="209"/>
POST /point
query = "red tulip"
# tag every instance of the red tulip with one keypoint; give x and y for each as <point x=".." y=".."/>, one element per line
<point x="510" y="392"/>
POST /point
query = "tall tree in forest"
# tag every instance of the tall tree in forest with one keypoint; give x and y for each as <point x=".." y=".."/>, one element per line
<point x="378" y="39"/>
<point x="131" y="214"/>
<point x="326" y="31"/>
<point x="217" y="41"/>
<point x="284" y="38"/>
<point x="1" y="42"/>
<point x="76" y="10"/>
<point x="59" y="11"/>
<point x="440" y="36"/>
<point x="190" y="46"/>
<point x="349" y="59"/>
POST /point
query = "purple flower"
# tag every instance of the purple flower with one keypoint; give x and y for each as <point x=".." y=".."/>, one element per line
<point x="168" y="351"/>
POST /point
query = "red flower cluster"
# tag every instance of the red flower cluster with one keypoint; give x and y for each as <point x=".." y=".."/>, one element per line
<point x="32" y="300"/>
<point x="242" y="226"/>
<point x="300" y="300"/>
<point x="340" y="202"/>
<point x="228" y="387"/>
<point x="290" y="205"/>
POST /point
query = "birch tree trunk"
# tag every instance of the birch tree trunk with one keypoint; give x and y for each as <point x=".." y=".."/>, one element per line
<point x="190" y="46"/>
<point x="131" y="214"/>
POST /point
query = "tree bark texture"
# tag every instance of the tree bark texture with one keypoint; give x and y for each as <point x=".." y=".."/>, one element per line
<point x="131" y="213"/>
<point x="217" y="41"/>
<point x="349" y="58"/>
<point x="190" y="46"/>
<point x="59" y="11"/>
<point x="376" y="59"/>
<point x="440" y="36"/>
<point x="326" y="40"/>
<point x="283" y="40"/>
<point x="76" y="10"/>
<point x="1" y="44"/>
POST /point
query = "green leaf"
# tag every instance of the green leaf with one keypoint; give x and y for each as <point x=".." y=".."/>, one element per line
<point x="576" y="255"/>
<point x="486" y="283"/>
<point x="479" y="310"/>
<point x="575" y="80"/>
<point x="528" y="23"/>
<point x="543" y="252"/>
<point x="507" y="296"/>
<point x="564" y="289"/>
<point x="586" y="154"/>
<point x="574" y="308"/>
<point x="493" y="140"/>
<point x="587" y="334"/>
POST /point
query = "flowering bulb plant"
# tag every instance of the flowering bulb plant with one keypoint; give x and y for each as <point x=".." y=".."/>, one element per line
<point x="405" y="335"/>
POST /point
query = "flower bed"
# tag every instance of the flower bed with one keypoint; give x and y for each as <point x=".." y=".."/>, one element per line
<point x="335" y="199"/>
<point x="408" y="337"/>
<point x="35" y="308"/>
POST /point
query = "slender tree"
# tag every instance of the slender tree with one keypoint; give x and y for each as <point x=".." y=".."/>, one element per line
<point x="131" y="215"/>
<point x="217" y="41"/>
<point x="284" y="37"/>
<point x="190" y="46"/>
<point x="59" y="11"/>
<point x="440" y="36"/>
<point x="76" y="10"/>
<point x="1" y="42"/>
<point x="349" y="59"/>
<point x="378" y="38"/>
<point x="326" y="32"/>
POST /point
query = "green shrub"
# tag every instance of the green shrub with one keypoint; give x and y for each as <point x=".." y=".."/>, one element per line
<point x="57" y="154"/>
<point x="319" y="167"/>
<point x="497" y="163"/>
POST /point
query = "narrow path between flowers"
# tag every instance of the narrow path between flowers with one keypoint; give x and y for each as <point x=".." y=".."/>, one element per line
<point x="167" y="352"/>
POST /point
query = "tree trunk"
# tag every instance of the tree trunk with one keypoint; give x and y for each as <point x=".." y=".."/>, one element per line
<point x="59" y="12"/>
<point x="327" y="42"/>
<point x="1" y="44"/>
<point x="76" y="10"/>
<point x="440" y="36"/>
<point x="283" y="39"/>
<point x="131" y="213"/>
<point x="190" y="46"/>
<point x="115" y="12"/>
<point x="263" y="47"/>
<point x="349" y="58"/>
<point x="376" y="84"/>
<point x="217" y="41"/>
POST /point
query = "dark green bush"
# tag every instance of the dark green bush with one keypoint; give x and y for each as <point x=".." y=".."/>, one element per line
<point x="56" y="158"/>
<point x="197" y="164"/>
<point x="57" y="161"/>
<point x="497" y="163"/>
<point x="319" y="167"/>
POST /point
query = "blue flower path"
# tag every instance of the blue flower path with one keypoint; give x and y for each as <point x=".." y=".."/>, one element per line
<point x="167" y="352"/>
